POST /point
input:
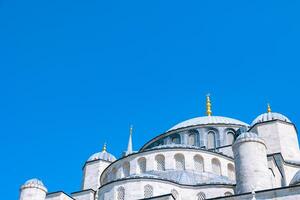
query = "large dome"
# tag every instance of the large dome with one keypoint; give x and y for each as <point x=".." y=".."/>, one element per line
<point x="206" y="120"/>
<point x="269" y="116"/>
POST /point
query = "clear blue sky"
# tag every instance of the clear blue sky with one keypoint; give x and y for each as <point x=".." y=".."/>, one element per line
<point x="75" y="74"/>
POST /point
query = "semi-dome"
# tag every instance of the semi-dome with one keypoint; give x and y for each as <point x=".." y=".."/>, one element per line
<point x="206" y="120"/>
<point x="103" y="155"/>
<point x="296" y="179"/>
<point x="269" y="116"/>
<point x="34" y="183"/>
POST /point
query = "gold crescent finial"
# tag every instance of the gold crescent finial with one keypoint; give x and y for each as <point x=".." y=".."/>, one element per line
<point x="104" y="147"/>
<point x="269" y="108"/>
<point x="208" y="105"/>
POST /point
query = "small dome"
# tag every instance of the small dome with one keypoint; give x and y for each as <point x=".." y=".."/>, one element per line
<point x="246" y="135"/>
<point x="34" y="183"/>
<point x="296" y="179"/>
<point x="206" y="120"/>
<point x="103" y="155"/>
<point x="269" y="116"/>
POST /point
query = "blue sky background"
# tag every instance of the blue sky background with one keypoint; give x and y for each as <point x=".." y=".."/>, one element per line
<point x="75" y="74"/>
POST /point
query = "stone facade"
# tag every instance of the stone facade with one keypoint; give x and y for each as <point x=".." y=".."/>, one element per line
<point x="207" y="157"/>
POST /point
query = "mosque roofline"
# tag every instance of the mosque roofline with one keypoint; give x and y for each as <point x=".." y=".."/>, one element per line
<point x="91" y="161"/>
<point x="257" y="192"/>
<point x="170" y="181"/>
<point x="80" y="191"/>
<point x="169" y="132"/>
<point x="57" y="193"/>
<point x="159" y="196"/>
<point x="273" y="120"/>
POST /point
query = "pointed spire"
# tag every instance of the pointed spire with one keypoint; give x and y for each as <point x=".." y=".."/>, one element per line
<point x="269" y="108"/>
<point x="104" y="147"/>
<point x="208" y="105"/>
<point x="129" y="147"/>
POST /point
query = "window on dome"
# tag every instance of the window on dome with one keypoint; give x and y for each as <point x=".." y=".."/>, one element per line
<point x="231" y="171"/>
<point x="148" y="191"/>
<point x="230" y="138"/>
<point x="142" y="165"/>
<point x="113" y="174"/>
<point x="179" y="162"/>
<point x="216" y="166"/>
<point x="211" y="140"/>
<point x="160" y="162"/>
<point x="121" y="193"/>
<point x="126" y="169"/>
<point x="201" y="196"/>
<point x="198" y="163"/>
<point x="175" y="194"/>
<point x="228" y="194"/>
<point x="192" y="139"/>
<point x="176" y="139"/>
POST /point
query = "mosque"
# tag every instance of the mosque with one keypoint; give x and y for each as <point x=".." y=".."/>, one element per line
<point x="208" y="157"/>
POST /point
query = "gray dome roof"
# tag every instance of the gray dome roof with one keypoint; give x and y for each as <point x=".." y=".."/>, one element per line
<point x="296" y="179"/>
<point x="34" y="183"/>
<point x="270" y="116"/>
<point x="208" y="120"/>
<point x="103" y="155"/>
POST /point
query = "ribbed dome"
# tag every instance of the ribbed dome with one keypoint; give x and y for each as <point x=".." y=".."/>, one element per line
<point x="246" y="135"/>
<point x="296" y="179"/>
<point x="103" y="155"/>
<point x="34" y="183"/>
<point x="270" y="116"/>
<point x="208" y="120"/>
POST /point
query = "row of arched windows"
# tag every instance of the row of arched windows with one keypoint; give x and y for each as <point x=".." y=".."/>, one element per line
<point x="212" y="141"/>
<point x="179" y="165"/>
<point x="148" y="192"/>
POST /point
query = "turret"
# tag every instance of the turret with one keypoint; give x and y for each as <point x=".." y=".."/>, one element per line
<point x="94" y="167"/>
<point x="33" y="189"/>
<point x="250" y="157"/>
<point x="279" y="134"/>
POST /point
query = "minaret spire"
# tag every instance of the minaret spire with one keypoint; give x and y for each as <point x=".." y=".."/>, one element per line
<point x="129" y="147"/>
<point x="269" y="108"/>
<point x="208" y="105"/>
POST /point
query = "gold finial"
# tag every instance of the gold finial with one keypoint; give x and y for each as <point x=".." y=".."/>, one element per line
<point x="269" y="108"/>
<point x="208" y="105"/>
<point x="104" y="147"/>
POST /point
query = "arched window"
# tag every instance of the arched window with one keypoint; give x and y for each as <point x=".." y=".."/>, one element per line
<point x="201" y="196"/>
<point x="126" y="169"/>
<point x="228" y="194"/>
<point x="179" y="162"/>
<point x="113" y="173"/>
<point x="175" y="194"/>
<point x="231" y="171"/>
<point x="141" y="165"/>
<point x="192" y="137"/>
<point x="121" y="193"/>
<point x="148" y="191"/>
<point x="216" y="166"/>
<point x="211" y="140"/>
<point x="230" y="137"/>
<point x="176" y="139"/>
<point x="160" y="162"/>
<point x="198" y="163"/>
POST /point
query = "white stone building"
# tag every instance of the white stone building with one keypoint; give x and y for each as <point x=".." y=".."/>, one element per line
<point x="209" y="157"/>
